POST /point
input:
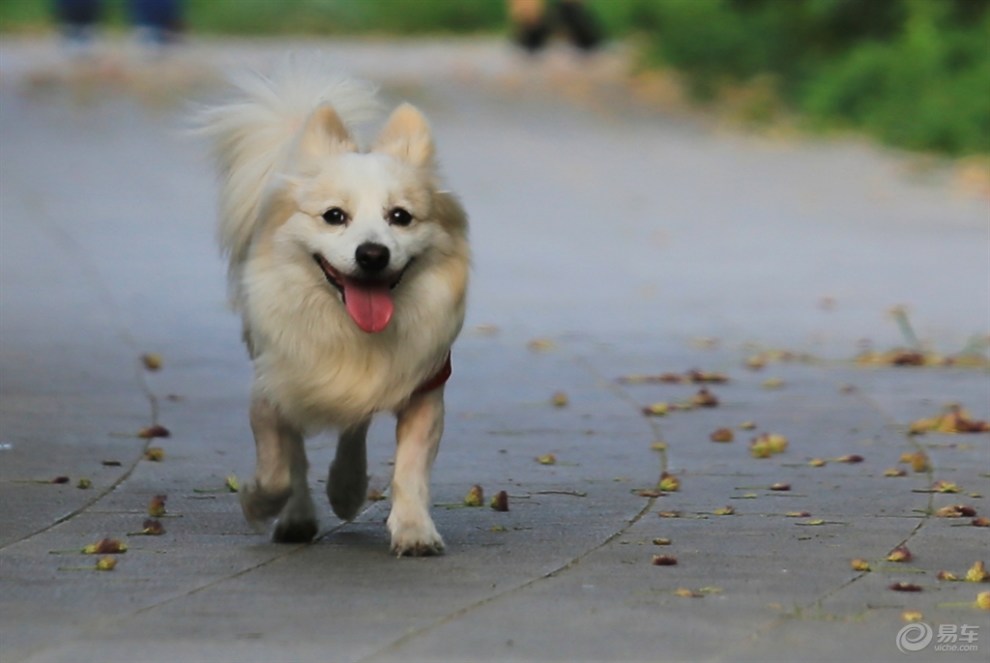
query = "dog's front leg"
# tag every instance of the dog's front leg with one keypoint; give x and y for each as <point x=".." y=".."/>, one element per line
<point x="418" y="432"/>
<point x="347" y="485"/>
<point x="280" y="487"/>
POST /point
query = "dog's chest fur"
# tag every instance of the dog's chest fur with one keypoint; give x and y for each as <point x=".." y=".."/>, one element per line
<point x="313" y="362"/>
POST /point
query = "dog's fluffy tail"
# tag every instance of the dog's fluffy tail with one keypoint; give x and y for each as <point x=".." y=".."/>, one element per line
<point x="252" y="131"/>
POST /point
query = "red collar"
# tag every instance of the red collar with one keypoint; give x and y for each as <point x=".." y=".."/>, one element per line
<point x="437" y="380"/>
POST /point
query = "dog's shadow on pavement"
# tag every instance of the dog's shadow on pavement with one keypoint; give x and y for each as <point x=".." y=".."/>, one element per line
<point x="359" y="537"/>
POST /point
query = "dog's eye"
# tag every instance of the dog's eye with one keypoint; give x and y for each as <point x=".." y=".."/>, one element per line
<point x="335" y="216"/>
<point x="399" y="216"/>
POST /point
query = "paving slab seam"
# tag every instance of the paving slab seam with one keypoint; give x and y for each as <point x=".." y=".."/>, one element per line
<point x="785" y="618"/>
<point x="68" y="243"/>
<point x="616" y="390"/>
<point x="103" y="624"/>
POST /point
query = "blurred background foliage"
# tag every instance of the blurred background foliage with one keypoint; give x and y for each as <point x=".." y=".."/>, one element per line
<point x="913" y="73"/>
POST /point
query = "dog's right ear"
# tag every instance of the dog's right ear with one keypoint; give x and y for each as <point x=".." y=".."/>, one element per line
<point x="324" y="134"/>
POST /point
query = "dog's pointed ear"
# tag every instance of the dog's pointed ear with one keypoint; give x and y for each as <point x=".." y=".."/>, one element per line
<point x="407" y="137"/>
<point x="324" y="134"/>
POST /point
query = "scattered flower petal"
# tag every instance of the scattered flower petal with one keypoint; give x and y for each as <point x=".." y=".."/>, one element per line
<point x="154" y="454"/>
<point x="152" y="527"/>
<point x="232" y="484"/>
<point x="84" y="484"/>
<point x="894" y="472"/>
<point x="817" y="462"/>
<point x="773" y="383"/>
<point x="152" y="361"/>
<point x="860" y="565"/>
<point x="797" y="514"/>
<point x="664" y="560"/>
<point x="912" y="616"/>
<point x="669" y="483"/>
<point x="541" y="345"/>
<point x="954" y="419"/>
<point x="658" y="446"/>
<point x="661" y="541"/>
<point x="704" y="398"/>
<point x="156" y="508"/>
<point x="946" y="575"/>
<point x="724" y="511"/>
<point x="560" y="399"/>
<point x="956" y="511"/>
<point x="942" y="486"/>
<point x="983" y="600"/>
<point x="899" y="554"/>
<point x="656" y="409"/>
<point x="475" y="496"/>
<point x="106" y="564"/>
<point x="747" y="425"/>
<point x="977" y="573"/>
<point x="547" y="459"/>
<point x="669" y="514"/>
<point x="767" y="445"/>
<point x="722" y="435"/>
<point x="918" y="460"/>
<point x="59" y="480"/>
<point x="904" y="587"/>
<point x="105" y="547"/>
<point x="684" y="592"/>
<point x="780" y="486"/>
<point x="982" y="521"/>
<point x="501" y="501"/>
<point x="150" y="432"/>
<point x="849" y="458"/>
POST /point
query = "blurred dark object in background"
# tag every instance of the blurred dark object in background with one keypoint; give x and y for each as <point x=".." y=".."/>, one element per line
<point x="158" y="22"/>
<point x="77" y="20"/>
<point x="536" y="21"/>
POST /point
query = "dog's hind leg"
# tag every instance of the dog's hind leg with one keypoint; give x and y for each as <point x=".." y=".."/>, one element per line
<point x="279" y="487"/>
<point x="418" y="432"/>
<point x="347" y="485"/>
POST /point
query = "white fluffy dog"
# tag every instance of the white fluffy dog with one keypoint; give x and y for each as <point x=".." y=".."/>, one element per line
<point x="349" y="268"/>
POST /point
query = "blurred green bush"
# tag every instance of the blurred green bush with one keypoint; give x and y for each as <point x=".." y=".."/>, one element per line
<point x="915" y="73"/>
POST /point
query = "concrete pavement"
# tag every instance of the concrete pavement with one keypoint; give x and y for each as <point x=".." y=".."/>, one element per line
<point x="626" y="242"/>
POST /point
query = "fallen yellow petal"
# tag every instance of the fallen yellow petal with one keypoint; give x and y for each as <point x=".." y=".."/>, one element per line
<point x="977" y="573"/>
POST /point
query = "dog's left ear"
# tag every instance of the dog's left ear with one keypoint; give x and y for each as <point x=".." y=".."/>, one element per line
<point x="407" y="136"/>
<point x="324" y="133"/>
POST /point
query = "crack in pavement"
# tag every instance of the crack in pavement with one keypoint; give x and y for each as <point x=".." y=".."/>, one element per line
<point x="780" y="621"/>
<point x="620" y="393"/>
<point x="64" y="240"/>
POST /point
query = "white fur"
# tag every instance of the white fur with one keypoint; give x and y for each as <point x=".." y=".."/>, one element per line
<point x="286" y="155"/>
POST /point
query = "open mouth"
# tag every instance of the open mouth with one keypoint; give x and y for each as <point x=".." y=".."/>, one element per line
<point x="368" y="301"/>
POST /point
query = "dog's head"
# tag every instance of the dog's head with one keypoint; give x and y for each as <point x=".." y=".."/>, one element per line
<point x="363" y="219"/>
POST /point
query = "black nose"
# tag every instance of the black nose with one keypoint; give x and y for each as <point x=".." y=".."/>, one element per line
<point x="372" y="257"/>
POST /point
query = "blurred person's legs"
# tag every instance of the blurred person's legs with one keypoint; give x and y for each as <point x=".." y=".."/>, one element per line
<point x="77" y="20"/>
<point x="158" y="23"/>
<point x="530" y="22"/>
<point x="580" y="24"/>
<point x="534" y="22"/>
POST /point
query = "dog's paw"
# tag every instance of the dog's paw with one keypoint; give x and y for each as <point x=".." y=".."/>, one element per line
<point x="295" y="531"/>
<point x="415" y="538"/>
<point x="260" y="506"/>
<point x="347" y="494"/>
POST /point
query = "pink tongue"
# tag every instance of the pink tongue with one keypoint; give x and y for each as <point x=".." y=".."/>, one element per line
<point x="370" y="305"/>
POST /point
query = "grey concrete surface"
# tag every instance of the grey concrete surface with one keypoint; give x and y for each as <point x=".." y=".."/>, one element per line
<point x="632" y="241"/>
